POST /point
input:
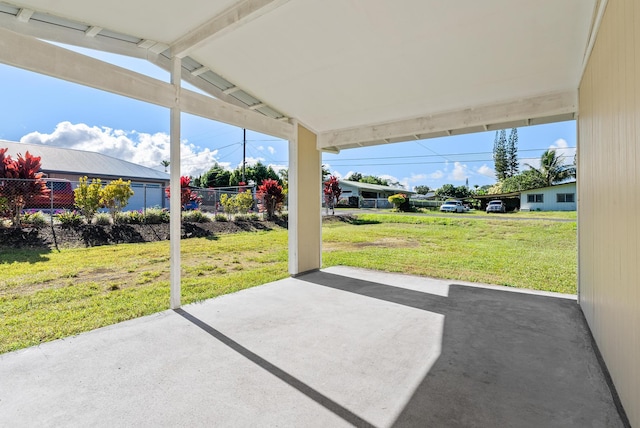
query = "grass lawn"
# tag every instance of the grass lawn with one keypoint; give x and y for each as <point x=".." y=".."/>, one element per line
<point x="49" y="295"/>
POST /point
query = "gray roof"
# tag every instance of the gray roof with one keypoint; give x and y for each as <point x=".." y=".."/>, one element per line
<point x="367" y="186"/>
<point x="69" y="161"/>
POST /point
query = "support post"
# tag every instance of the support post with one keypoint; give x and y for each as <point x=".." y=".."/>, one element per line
<point x="175" y="206"/>
<point x="305" y="206"/>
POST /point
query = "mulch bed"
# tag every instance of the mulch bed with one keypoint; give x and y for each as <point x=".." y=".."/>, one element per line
<point x="93" y="235"/>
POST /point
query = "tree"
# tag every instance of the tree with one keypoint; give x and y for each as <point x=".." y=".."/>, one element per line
<point x="27" y="182"/>
<point x="217" y="176"/>
<point x="372" y="179"/>
<point x="451" y="191"/>
<point x="526" y="180"/>
<point x="354" y="176"/>
<point x="284" y="179"/>
<point x="553" y="169"/>
<point x="87" y="197"/>
<point x="500" y="154"/>
<point x="270" y="196"/>
<point x="332" y="192"/>
<point x="165" y="164"/>
<point x="253" y="174"/>
<point x="115" y="196"/>
<point x="421" y="190"/>
<point x="512" y="154"/>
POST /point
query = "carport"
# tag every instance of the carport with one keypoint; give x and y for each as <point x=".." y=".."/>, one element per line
<point x="334" y="75"/>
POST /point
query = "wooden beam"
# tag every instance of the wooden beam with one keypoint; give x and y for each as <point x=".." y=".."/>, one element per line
<point x="237" y="15"/>
<point x="551" y="107"/>
<point x="34" y="55"/>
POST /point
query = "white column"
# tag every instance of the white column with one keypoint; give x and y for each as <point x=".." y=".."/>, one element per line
<point x="305" y="192"/>
<point x="174" y="203"/>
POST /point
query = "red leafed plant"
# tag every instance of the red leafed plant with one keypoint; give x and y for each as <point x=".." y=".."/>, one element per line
<point x="270" y="197"/>
<point x="188" y="198"/>
<point x="332" y="192"/>
<point x="25" y="182"/>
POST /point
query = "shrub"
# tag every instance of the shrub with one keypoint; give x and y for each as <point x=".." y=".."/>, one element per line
<point x="69" y="218"/>
<point x="240" y="203"/>
<point x="400" y="201"/>
<point x="188" y="198"/>
<point x="156" y="216"/>
<point x="103" y="219"/>
<point x="270" y="196"/>
<point x="87" y="197"/>
<point x="332" y="192"/>
<point x="28" y="182"/>
<point x="115" y="196"/>
<point x="130" y="217"/>
<point x="195" y="216"/>
<point x="220" y="217"/>
<point x="254" y="217"/>
<point x="34" y="219"/>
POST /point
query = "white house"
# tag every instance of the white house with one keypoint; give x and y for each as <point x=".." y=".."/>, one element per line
<point x="561" y="197"/>
<point x="370" y="195"/>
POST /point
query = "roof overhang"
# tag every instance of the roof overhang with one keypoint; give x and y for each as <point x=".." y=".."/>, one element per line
<point x="356" y="73"/>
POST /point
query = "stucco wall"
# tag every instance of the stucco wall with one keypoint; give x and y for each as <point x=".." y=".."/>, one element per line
<point x="550" y="199"/>
<point x="609" y="197"/>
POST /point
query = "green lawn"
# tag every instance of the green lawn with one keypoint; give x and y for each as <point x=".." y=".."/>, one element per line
<point x="48" y="295"/>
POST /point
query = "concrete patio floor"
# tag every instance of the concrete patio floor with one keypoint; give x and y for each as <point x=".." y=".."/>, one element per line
<point x="339" y="347"/>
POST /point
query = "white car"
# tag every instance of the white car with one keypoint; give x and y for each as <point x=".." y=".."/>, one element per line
<point x="496" y="207"/>
<point x="453" y="207"/>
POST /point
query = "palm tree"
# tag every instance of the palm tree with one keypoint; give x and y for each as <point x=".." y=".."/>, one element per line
<point x="165" y="164"/>
<point x="553" y="169"/>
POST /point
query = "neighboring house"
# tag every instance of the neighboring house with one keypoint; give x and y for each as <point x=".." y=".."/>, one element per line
<point x="560" y="197"/>
<point x="370" y="195"/>
<point x="148" y="184"/>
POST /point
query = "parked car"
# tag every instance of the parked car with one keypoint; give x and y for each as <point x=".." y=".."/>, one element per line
<point x="496" y="207"/>
<point x="453" y="207"/>
<point x="60" y="192"/>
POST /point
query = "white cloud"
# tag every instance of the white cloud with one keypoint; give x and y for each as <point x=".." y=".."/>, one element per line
<point x="562" y="149"/>
<point x="137" y="147"/>
<point x="437" y="175"/>
<point x="251" y="161"/>
<point x="392" y="180"/>
<point x="271" y="150"/>
<point x="486" y="171"/>
<point x="415" y="178"/>
<point x="459" y="172"/>
<point x="260" y="148"/>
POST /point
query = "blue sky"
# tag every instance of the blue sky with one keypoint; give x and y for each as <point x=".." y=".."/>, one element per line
<point x="42" y="110"/>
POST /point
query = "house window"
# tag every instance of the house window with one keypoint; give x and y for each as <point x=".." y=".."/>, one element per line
<point x="369" y="195"/>
<point x="565" y="197"/>
<point x="535" y="198"/>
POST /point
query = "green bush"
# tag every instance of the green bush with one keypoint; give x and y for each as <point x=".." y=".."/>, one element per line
<point x="102" y="219"/>
<point x="156" y="216"/>
<point x="87" y="197"/>
<point x="195" y="216"/>
<point x="254" y="217"/>
<point x="69" y="218"/>
<point x="130" y="217"/>
<point x="34" y="219"/>
<point x="220" y="217"/>
<point x="115" y="196"/>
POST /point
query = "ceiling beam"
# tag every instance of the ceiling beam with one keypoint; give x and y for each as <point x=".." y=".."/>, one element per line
<point x="540" y="109"/>
<point x="34" y="55"/>
<point x="237" y="15"/>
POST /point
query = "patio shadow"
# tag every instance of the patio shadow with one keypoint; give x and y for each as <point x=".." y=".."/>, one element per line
<point x="507" y="359"/>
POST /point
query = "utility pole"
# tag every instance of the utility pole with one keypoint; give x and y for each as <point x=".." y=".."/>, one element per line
<point x="244" y="153"/>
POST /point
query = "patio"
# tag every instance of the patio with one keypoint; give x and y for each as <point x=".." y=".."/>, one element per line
<point x="338" y="347"/>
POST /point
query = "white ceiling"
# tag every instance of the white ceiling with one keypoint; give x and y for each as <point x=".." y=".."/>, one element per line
<point x="356" y="64"/>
